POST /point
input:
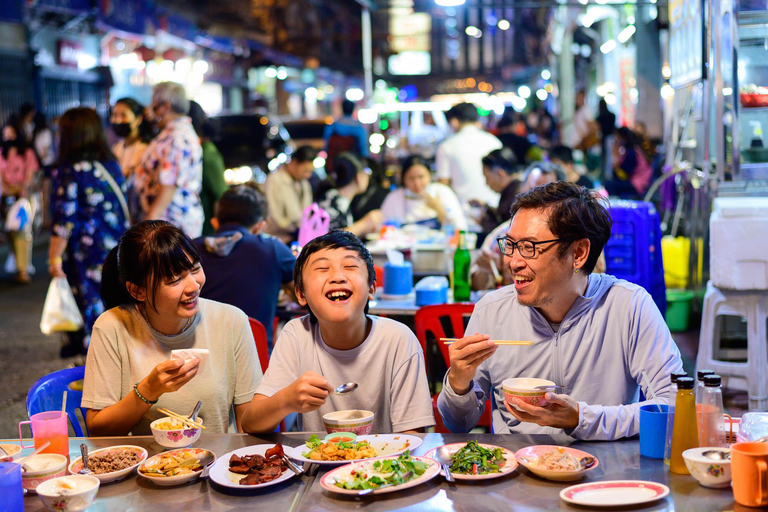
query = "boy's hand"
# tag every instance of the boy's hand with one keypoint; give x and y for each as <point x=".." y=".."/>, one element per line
<point x="466" y="355"/>
<point x="308" y="392"/>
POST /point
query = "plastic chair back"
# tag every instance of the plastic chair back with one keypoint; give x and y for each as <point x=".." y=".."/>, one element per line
<point x="46" y="395"/>
<point x="315" y="222"/>
<point x="428" y="320"/>
<point x="260" y="337"/>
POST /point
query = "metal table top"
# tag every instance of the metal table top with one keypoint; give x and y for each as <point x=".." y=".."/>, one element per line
<point x="520" y="491"/>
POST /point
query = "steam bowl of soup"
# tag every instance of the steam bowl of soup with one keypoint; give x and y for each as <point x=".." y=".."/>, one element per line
<point x="357" y="421"/>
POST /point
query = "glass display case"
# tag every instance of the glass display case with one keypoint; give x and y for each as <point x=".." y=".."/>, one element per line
<point x="739" y="34"/>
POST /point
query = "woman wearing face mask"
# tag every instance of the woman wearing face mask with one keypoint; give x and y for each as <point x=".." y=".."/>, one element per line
<point x="18" y="165"/>
<point x="420" y="201"/>
<point x="126" y="121"/>
<point x="151" y="282"/>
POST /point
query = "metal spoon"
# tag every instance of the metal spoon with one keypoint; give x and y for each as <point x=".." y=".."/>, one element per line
<point x="717" y="454"/>
<point x="443" y="456"/>
<point x="193" y="416"/>
<point x="84" y="454"/>
<point x="345" y="388"/>
<point x="406" y="477"/>
<point x="587" y="462"/>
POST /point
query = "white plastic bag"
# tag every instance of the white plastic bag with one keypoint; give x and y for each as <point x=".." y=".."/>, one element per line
<point x="60" y="312"/>
<point x="19" y="215"/>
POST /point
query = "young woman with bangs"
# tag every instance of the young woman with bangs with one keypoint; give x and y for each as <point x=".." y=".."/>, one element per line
<point x="151" y="284"/>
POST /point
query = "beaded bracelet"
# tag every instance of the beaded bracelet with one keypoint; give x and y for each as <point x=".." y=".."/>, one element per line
<point x="136" y="390"/>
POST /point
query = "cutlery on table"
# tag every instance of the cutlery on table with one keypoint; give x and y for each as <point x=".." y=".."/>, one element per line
<point x="443" y="456"/>
<point x="84" y="453"/>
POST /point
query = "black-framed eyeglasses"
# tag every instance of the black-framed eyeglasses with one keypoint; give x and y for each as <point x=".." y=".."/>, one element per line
<point x="526" y="248"/>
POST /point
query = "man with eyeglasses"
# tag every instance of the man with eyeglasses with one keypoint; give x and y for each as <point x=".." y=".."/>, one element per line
<point x="593" y="335"/>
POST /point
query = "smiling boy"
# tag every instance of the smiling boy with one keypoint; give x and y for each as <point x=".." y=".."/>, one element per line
<point x="339" y="342"/>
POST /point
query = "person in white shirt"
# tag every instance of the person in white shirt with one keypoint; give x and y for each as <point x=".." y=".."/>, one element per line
<point x="420" y="201"/>
<point x="460" y="157"/>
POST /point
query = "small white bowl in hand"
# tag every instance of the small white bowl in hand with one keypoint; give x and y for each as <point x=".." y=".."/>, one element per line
<point x="71" y="493"/>
<point x="180" y="437"/>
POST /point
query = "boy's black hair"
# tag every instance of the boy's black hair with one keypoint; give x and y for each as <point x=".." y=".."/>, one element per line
<point x="562" y="153"/>
<point x="335" y="239"/>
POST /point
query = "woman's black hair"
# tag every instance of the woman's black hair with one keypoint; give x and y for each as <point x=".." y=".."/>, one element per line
<point x="503" y="159"/>
<point x="334" y="239"/>
<point x="82" y="137"/>
<point x="20" y="142"/>
<point x="410" y="162"/>
<point x="149" y="253"/>
<point x="146" y="130"/>
<point x="345" y="169"/>
<point x="627" y="137"/>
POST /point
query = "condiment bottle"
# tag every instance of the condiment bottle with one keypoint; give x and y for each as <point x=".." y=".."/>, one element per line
<point x="671" y="413"/>
<point x="461" y="267"/>
<point x="700" y="382"/>
<point x="711" y="426"/>
<point x="685" y="433"/>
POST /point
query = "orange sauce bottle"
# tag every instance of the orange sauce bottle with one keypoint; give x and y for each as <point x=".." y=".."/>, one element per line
<point x="685" y="432"/>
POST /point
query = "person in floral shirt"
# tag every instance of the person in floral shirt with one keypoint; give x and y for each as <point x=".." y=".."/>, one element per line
<point x="89" y="216"/>
<point x="169" y="179"/>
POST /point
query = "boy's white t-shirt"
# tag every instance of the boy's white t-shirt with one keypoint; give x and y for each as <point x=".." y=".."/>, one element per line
<point x="388" y="368"/>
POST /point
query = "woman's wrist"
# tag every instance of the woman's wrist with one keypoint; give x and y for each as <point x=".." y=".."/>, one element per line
<point x="145" y="390"/>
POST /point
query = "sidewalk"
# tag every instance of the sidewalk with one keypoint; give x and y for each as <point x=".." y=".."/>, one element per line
<point x="25" y="354"/>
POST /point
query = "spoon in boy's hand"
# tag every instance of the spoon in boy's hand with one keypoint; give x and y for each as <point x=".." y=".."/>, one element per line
<point x="345" y="388"/>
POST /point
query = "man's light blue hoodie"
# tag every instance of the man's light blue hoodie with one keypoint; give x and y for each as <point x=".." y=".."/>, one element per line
<point x="608" y="337"/>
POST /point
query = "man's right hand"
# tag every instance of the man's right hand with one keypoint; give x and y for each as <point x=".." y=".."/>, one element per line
<point x="169" y="376"/>
<point x="466" y="355"/>
<point x="308" y="392"/>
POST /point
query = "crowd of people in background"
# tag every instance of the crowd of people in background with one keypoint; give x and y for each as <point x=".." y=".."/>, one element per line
<point x="165" y="166"/>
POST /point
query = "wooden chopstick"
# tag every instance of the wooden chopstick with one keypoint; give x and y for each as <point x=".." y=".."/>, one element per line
<point x="183" y="419"/>
<point x="448" y="341"/>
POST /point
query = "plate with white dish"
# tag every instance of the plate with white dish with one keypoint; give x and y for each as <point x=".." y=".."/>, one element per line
<point x="327" y="453"/>
<point x="615" y="493"/>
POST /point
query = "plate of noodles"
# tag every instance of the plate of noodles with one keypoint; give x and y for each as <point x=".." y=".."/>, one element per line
<point x="557" y="463"/>
<point x="330" y="453"/>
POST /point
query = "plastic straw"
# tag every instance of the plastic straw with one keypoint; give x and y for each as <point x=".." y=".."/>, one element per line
<point x="64" y="403"/>
<point x="653" y="391"/>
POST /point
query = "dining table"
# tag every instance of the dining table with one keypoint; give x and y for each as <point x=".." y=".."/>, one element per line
<point x="518" y="491"/>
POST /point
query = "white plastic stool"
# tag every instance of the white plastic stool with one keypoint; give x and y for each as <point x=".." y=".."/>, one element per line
<point x="752" y="375"/>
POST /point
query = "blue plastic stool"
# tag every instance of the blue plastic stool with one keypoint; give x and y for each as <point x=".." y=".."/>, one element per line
<point x="46" y="394"/>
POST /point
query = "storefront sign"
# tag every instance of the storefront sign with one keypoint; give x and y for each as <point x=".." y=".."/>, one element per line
<point x="69" y="6"/>
<point x="410" y="32"/>
<point x="132" y="16"/>
<point x="68" y="53"/>
<point x="686" y="41"/>
<point x="410" y="63"/>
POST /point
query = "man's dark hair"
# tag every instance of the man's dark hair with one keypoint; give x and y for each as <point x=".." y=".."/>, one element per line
<point x="242" y="205"/>
<point x="503" y="159"/>
<point x="575" y="213"/>
<point x="335" y="239"/>
<point x="348" y="107"/>
<point x="562" y="153"/>
<point x="464" y="113"/>
<point x="304" y="154"/>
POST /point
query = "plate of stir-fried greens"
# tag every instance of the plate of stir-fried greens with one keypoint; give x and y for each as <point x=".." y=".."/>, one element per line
<point x="478" y="461"/>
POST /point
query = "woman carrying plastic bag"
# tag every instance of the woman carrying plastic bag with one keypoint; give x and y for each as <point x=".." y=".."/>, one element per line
<point x="60" y="311"/>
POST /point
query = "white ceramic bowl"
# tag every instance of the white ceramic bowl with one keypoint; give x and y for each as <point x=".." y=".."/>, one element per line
<point x="43" y="466"/>
<point x="204" y="456"/>
<point x="525" y="389"/>
<point x="709" y="473"/>
<point x="12" y="450"/>
<point x="357" y="421"/>
<point x="71" y="493"/>
<point x="106" y="478"/>
<point x="181" y="437"/>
